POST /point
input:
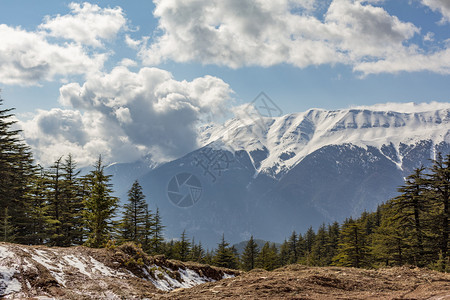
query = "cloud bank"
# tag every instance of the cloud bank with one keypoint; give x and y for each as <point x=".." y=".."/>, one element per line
<point x="126" y="115"/>
<point x="60" y="47"/>
<point x="266" y="33"/>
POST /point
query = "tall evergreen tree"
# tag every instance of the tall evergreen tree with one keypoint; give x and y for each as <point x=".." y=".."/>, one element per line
<point x="100" y="207"/>
<point x="309" y="239"/>
<point x="440" y="194"/>
<point x="182" y="248"/>
<point x="284" y="256"/>
<point x="37" y="210"/>
<point x="224" y="256"/>
<point x="197" y="253"/>
<point x="55" y="204"/>
<point x="6" y="228"/>
<point x="410" y="209"/>
<point x="134" y="215"/>
<point x="249" y="256"/>
<point x="293" y="249"/>
<point x="16" y="174"/>
<point x="156" y="228"/>
<point x="267" y="257"/>
<point x="353" y="250"/>
<point x="333" y="241"/>
<point x="319" y="248"/>
<point x="72" y="222"/>
<point x="389" y="240"/>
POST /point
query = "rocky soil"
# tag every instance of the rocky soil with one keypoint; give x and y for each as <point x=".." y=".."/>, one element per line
<point x="125" y="272"/>
<point x="300" y="282"/>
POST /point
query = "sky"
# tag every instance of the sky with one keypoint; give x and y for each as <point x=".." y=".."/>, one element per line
<point x="128" y="79"/>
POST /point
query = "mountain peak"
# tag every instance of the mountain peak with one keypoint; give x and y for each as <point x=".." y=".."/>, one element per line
<point x="286" y="140"/>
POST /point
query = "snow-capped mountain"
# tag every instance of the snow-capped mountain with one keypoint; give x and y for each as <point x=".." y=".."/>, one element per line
<point x="269" y="176"/>
<point x="276" y="145"/>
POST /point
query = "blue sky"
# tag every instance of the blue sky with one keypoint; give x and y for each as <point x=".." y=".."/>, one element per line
<point x="115" y="76"/>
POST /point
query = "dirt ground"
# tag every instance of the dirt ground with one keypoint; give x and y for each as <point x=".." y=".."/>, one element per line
<point x="300" y="282"/>
<point x="37" y="272"/>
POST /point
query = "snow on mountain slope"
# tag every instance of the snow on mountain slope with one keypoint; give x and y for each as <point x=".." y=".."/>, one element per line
<point x="276" y="145"/>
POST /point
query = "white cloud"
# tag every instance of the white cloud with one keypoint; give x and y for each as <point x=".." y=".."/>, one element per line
<point x="127" y="115"/>
<point x="429" y="37"/>
<point x="134" y="44"/>
<point x="409" y="107"/>
<point x="442" y="6"/>
<point x="87" y="24"/>
<point x="126" y="62"/>
<point x="410" y="60"/>
<point x="30" y="57"/>
<point x="27" y="58"/>
<point x="266" y="33"/>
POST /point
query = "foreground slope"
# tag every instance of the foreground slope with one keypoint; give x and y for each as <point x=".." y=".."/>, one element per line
<point x="300" y="282"/>
<point x="85" y="273"/>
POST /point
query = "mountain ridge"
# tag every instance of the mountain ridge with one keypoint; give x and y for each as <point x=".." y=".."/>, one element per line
<point x="266" y="177"/>
<point x="290" y="138"/>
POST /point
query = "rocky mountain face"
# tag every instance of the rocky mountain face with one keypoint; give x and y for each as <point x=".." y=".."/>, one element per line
<point x="269" y="176"/>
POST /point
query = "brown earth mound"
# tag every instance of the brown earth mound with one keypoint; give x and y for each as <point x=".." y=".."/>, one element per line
<point x="300" y="282"/>
<point x="124" y="272"/>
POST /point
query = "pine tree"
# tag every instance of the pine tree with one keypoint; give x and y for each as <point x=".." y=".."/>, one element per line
<point x="72" y="222"/>
<point x="100" y="207"/>
<point x="249" y="256"/>
<point x="209" y="257"/>
<point x="293" y="249"/>
<point x="224" y="256"/>
<point x="197" y="253"/>
<point x="156" y="231"/>
<point x="353" y="250"/>
<point x="37" y="210"/>
<point x="309" y="239"/>
<point x="56" y="204"/>
<point x="439" y="184"/>
<point x="319" y="248"/>
<point x="333" y="241"/>
<point x="390" y="239"/>
<point x="182" y="248"/>
<point x="6" y="228"/>
<point x="410" y="208"/>
<point x="267" y="257"/>
<point x="284" y="256"/>
<point x="134" y="219"/>
<point x="16" y="174"/>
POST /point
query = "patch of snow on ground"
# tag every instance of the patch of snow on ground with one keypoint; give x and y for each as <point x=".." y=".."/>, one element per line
<point x="8" y="284"/>
<point x="76" y="263"/>
<point x="5" y="253"/>
<point x="191" y="278"/>
<point x="225" y="276"/>
<point x="41" y="257"/>
<point x="104" y="270"/>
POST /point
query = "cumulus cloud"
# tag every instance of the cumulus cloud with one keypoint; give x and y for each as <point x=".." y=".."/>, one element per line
<point x="27" y="58"/>
<point x="409" y="60"/>
<point x="265" y="33"/>
<point x="125" y="115"/>
<point x="442" y="6"/>
<point x="87" y="24"/>
<point x="30" y="57"/>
